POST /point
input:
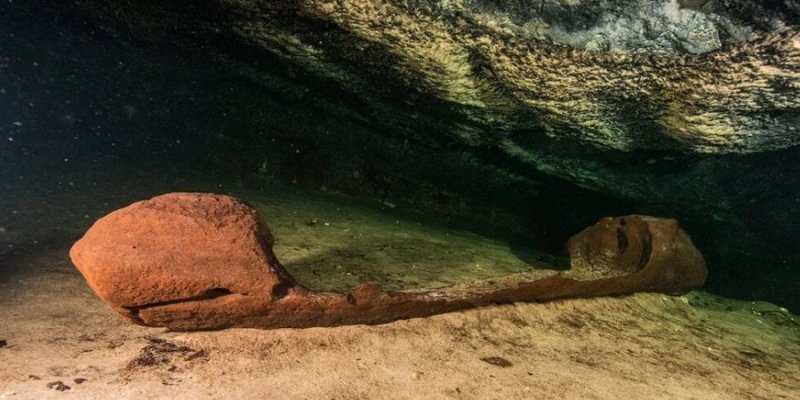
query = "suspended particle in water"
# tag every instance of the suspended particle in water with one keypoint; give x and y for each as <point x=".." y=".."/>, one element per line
<point x="130" y="110"/>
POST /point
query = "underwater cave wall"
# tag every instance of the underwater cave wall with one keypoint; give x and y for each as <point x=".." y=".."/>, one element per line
<point x="524" y="119"/>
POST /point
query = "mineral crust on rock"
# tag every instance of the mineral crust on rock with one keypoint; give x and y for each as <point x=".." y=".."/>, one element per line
<point x="656" y="251"/>
<point x="413" y="101"/>
<point x="191" y="261"/>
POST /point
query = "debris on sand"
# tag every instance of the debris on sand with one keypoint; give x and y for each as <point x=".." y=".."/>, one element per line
<point x="158" y="352"/>
<point x="497" y="361"/>
<point x="197" y="354"/>
<point x="58" y="385"/>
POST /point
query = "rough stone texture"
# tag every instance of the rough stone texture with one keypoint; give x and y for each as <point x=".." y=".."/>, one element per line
<point x="635" y="243"/>
<point x="203" y="261"/>
<point x="625" y="75"/>
<point x="181" y="248"/>
<point x="351" y="99"/>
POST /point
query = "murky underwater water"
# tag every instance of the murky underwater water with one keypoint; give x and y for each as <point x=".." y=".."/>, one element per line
<point x="90" y="122"/>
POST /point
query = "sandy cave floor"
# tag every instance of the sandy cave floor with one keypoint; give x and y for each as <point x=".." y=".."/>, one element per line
<point x="642" y="346"/>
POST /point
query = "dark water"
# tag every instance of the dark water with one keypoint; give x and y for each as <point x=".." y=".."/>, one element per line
<point x="87" y="103"/>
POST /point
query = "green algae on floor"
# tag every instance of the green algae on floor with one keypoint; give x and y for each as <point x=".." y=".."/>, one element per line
<point x="331" y="244"/>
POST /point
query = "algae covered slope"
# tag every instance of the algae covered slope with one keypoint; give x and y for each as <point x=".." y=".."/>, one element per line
<point x="334" y="246"/>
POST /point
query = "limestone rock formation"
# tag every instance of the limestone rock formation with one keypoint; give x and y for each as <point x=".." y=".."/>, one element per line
<point x="709" y="77"/>
<point x="203" y="261"/>
<point x="686" y="108"/>
<point x="637" y="243"/>
<point x="182" y="248"/>
<point x="480" y="110"/>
